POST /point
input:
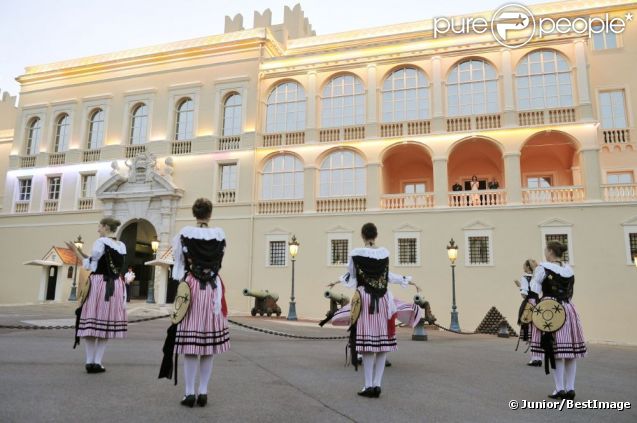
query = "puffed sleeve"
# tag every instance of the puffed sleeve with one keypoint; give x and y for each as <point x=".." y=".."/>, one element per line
<point x="90" y="263"/>
<point x="349" y="278"/>
<point x="399" y="279"/>
<point x="179" y="266"/>
<point x="536" y="281"/>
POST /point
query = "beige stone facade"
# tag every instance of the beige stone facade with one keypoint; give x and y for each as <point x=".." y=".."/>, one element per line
<point x="293" y="133"/>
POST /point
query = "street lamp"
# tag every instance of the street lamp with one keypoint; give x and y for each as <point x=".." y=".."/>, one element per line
<point x="79" y="244"/>
<point x="150" y="298"/>
<point x="294" y="250"/>
<point x="452" y="253"/>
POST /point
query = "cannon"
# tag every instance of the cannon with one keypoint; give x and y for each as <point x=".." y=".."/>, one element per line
<point x="337" y="301"/>
<point x="420" y="334"/>
<point x="264" y="302"/>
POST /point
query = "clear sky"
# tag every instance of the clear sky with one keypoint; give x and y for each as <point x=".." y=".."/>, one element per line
<point x="42" y="31"/>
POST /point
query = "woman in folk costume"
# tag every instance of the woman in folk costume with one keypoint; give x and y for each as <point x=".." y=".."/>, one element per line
<point x="203" y="332"/>
<point x="530" y="297"/>
<point x="555" y="279"/>
<point x="102" y="314"/>
<point x="373" y="316"/>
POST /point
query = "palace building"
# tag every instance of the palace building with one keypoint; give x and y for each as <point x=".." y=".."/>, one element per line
<point x="293" y="133"/>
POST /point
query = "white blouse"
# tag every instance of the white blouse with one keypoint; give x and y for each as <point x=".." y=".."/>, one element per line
<point x="539" y="274"/>
<point x="524" y="284"/>
<point x="349" y="278"/>
<point x="97" y="251"/>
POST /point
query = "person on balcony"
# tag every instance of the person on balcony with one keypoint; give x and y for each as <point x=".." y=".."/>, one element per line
<point x="530" y="297"/>
<point x="493" y="184"/>
<point x="555" y="279"/>
<point x="373" y="309"/>
<point x="456" y="187"/>
<point x="102" y="315"/>
<point x="474" y="187"/>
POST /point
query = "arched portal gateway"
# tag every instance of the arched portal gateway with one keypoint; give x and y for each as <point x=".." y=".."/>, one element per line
<point x="145" y="198"/>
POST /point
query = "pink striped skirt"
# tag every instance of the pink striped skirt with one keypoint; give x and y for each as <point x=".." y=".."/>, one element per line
<point x="569" y="340"/>
<point x="373" y="331"/>
<point x="104" y="319"/>
<point x="202" y="332"/>
<point x="407" y="313"/>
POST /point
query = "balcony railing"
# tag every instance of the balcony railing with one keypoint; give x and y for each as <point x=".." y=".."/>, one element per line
<point x="226" y="196"/>
<point x="620" y="192"/>
<point x="342" y="134"/>
<point x="90" y="156"/>
<point x="179" y="148"/>
<point x="481" y="198"/>
<point x="468" y="123"/>
<point x="616" y="136"/>
<point x="51" y="205"/>
<point x="134" y="150"/>
<point x="22" y="206"/>
<point x="341" y="204"/>
<point x="284" y="138"/>
<point x="406" y="201"/>
<point x="553" y="195"/>
<point x="541" y="117"/>
<point x="56" y="159"/>
<point x="27" y="161"/>
<point x="398" y="129"/>
<point x="85" y="203"/>
<point x="280" y="207"/>
<point x="229" y="143"/>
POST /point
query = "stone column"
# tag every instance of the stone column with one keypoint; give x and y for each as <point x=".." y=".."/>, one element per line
<point x="441" y="182"/>
<point x="583" y="91"/>
<point x="311" y="132"/>
<point x="371" y="124"/>
<point x="589" y="159"/>
<point x="374" y="185"/>
<point x="513" y="177"/>
<point x="438" y="120"/>
<point x="508" y="107"/>
<point x="309" y="189"/>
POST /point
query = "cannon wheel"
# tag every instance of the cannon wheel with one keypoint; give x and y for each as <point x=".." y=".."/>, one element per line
<point x="261" y="313"/>
<point x="278" y="314"/>
<point x="253" y="312"/>
<point x="269" y="313"/>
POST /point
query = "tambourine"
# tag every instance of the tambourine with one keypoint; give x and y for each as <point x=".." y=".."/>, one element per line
<point x="549" y="315"/>
<point x="181" y="304"/>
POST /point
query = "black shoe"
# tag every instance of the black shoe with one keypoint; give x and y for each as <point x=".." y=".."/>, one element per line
<point x="188" y="401"/>
<point x="90" y="368"/>
<point x="202" y="400"/>
<point x="558" y="395"/>
<point x="534" y="363"/>
<point x="387" y="363"/>
<point x="570" y="395"/>
<point x="98" y="368"/>
<point x="368" y="392"/>
<point x="377" y="391"/>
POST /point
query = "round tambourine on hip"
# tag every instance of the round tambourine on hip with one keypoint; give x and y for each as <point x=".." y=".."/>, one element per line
<point x="549" y="315"/>
<point x="181" y="304"/>
<point x="527" y="313"/>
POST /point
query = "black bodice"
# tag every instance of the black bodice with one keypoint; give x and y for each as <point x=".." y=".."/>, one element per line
<point x="557" y="286"/>
<point x="203" y="258"/>
<point x="373" y="275"/>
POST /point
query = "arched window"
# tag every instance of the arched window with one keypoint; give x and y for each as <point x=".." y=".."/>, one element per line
<point x="232" y="115"/>
<point x="286" y="108"/>
<point x="62" y="133"/>
<point x="343" y="102"/>
<point x="472" y="89"/>
<point x="139" y="124"/>
<point x="184" y="119"/>
<point x="95" y="129"/>
<point x="405" y="95"/>
<point x="342" y="173"/>
<point x="34" y="130"/>
<point x="543" y="80"/>
<point x="282" y="178"/>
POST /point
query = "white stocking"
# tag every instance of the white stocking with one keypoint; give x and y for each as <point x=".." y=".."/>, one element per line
<point x="379" y="368"/>
<point x="570" y="368"/>
<point x="205" y="371"/>
<point x="190" y="371"/>
<point x="558" y="374"/>
<point x="368" y="368"/>
<point x="89" y="345"/>
<point x="100" y="347"/>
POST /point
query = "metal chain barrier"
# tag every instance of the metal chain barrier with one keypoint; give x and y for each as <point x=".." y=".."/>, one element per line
<point x="146" y="319"/>
<point x="284" y="334"/>
<point x="455" y="331"/>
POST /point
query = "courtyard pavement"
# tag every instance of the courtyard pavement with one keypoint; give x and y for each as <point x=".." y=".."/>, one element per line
<point x="266" y="378"/>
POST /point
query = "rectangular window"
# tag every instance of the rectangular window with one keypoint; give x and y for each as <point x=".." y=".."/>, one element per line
<point x="479" y="250"/>
<point x="632" y="239"/>
<point x="228" y="174"/>
<point x="563" y="238"/>
<point x="414" y="188"/>
<point x="407" y="251"/>
<point x="612" y="107"/>
<point x="54" y="183"/>
<point x="278" y="252"/>
<point x="24" y="192"/>
<point x="88" y="186"/>
<point x="339" y="249"/>
<point x="620" y="178"/>
<point x="603" y="39"/>
<point x="535" y="182"/>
